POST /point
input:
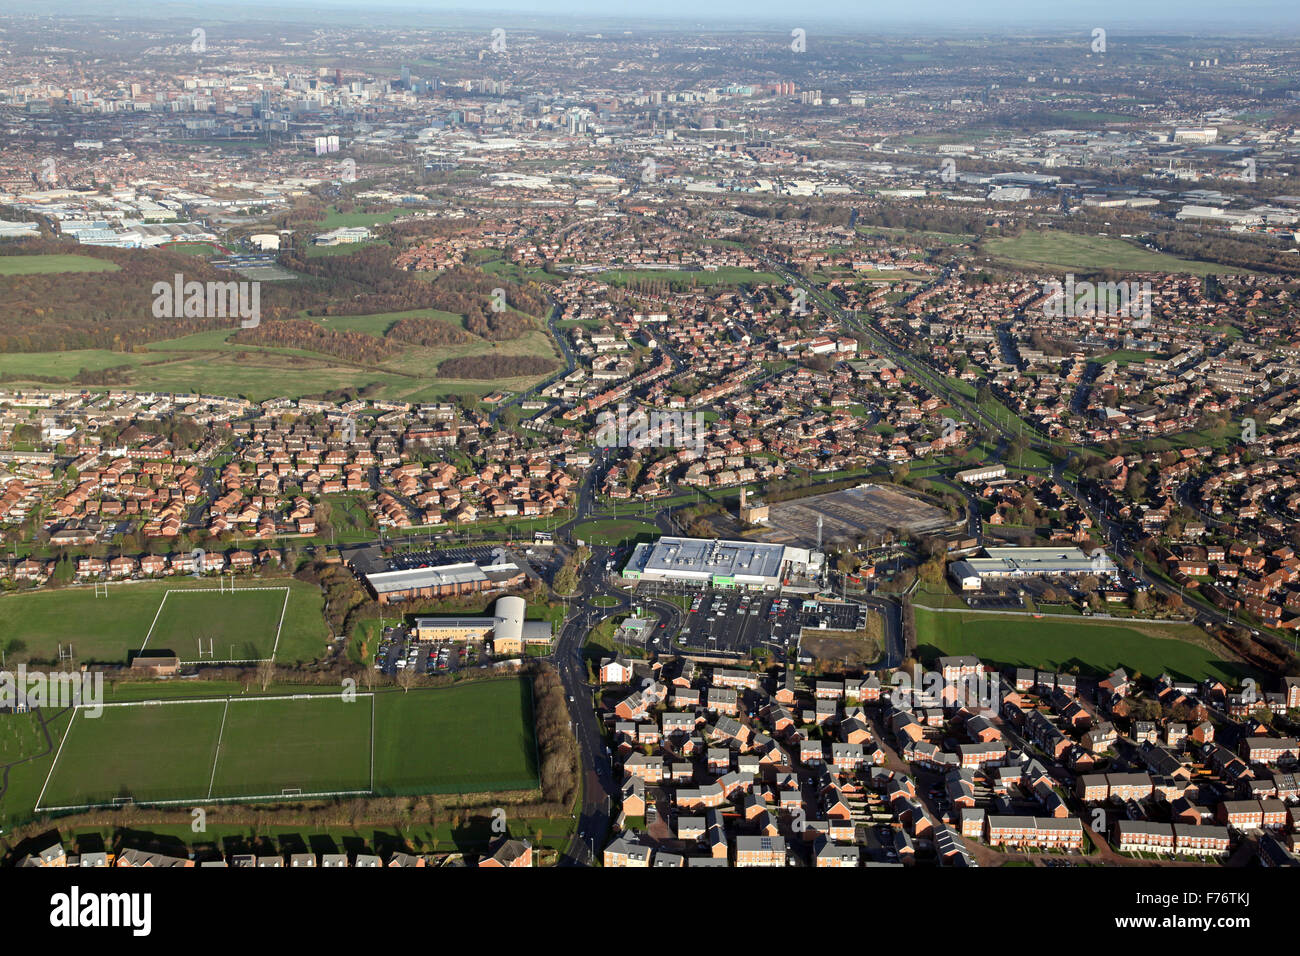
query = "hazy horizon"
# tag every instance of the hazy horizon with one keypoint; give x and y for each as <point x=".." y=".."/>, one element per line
<point x="936" y="18"/>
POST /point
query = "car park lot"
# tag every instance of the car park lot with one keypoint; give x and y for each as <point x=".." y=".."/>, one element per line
<point x="431" y="557"/>
<point x="737" y="622"/>
<point x="398" y="652"/>
<point x="990" y="602"/>
<point x="375" y="556"/>
<point x="868" y="510"/>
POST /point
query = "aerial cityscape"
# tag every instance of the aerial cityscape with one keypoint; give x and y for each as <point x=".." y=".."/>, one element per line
<point x="538" y="440"/>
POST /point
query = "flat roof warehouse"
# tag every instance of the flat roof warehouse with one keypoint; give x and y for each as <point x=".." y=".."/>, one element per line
<point x="387" y="582"/>
<point x="710" y="561"/>
<point x="443" y="580"/>
<point x="1002" y="563"/>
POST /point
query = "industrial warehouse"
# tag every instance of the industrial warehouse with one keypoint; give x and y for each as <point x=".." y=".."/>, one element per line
<point x="720" y="563"/>
<point x="444" y="580"/>
<point x="1002" y="564"/>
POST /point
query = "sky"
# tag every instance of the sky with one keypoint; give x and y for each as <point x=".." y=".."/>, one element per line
<point x="927" y="16"/>
<point x="1172" y="14"/>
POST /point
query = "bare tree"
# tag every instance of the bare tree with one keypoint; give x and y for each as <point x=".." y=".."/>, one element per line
<point x="406" y="678"/>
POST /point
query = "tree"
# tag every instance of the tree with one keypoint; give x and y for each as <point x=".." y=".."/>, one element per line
<point x="701" y="528"/>
<point x="406" y="679"/>
<point x="932" y="572"/>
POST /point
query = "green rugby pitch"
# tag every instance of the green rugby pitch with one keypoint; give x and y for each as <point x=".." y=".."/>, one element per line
<point x="241" y="625"/>
<point x="471" y="737"/>
<point x="107" y="630"/>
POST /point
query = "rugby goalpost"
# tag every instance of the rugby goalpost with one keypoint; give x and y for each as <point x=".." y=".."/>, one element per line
<point x="222" y="589"/>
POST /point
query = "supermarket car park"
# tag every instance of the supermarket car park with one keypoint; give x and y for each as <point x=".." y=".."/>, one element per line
<point x="733" y="622"/>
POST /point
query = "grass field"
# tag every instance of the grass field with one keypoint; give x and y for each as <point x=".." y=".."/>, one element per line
<point x="342" y="249"/>
<point x="471" y="737"/>
<point x="63" y="364"/>
<point x="315" y="746"/>
<point x="942" y="238"/>
<point x="1096" y="647"/>
<point x="204" y="249"/>
<point x="53" y="263"/>
<point x="28" y="758"/>
<point x="240" y="626"/>
<point x="207" y="362"/>
<point x="380" y="322"/>
<point x="108" y="629"/>
<point x="337" y="220"/>
<point x="20" y="736"/>
<point x="1062" y="251"/>
<point x="613" y="531"/>
<point x="163" y="751"/>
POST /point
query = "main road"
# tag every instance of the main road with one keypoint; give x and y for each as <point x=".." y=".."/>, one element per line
<point x="1121" y="537"/>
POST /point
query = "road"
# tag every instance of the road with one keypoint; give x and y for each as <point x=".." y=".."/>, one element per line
<point x="570" y="363"/>
<point x="1122" y="538"/>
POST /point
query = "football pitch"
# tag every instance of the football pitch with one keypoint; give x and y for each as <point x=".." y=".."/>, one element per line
<point x="472" y="737"/>
<point x="260" y="619"/>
